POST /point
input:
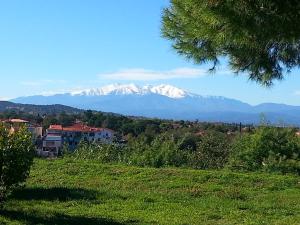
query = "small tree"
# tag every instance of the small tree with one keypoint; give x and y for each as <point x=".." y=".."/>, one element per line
<point x="16" y="158"/>
<point x="268" y="148"/>
<point x="212" y="151"/>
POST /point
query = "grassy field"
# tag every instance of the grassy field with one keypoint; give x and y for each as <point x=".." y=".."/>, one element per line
<point x="84" y="192"/>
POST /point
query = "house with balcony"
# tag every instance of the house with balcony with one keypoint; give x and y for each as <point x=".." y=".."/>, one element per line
<point x="78" y="132"/>
<point x="52" y="141"/>
<point x="52" y="145"/>
<point x="57" y="136"/>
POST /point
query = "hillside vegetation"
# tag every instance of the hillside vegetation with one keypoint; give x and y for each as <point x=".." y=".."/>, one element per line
<point x="67" y="191"/>
<point x="17" y="109"/>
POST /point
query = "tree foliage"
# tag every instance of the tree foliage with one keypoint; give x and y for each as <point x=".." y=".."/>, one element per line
<point x="166" y="149"/>
<point x="212" y="151"/>
<point x="259" y="37"/>
<point x="16" y="157"/>
<point x="268" y="148"/>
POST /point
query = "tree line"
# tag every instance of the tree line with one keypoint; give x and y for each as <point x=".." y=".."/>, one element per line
<point x="266" y="148"/>
<point x="123" y="125"/>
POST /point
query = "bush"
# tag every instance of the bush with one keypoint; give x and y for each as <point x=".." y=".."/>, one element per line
<point x="278" y="163"/>
<point x="268" y="148"/>
<point x="16" y="158"/>
<point x="167" y="149"/>
<point x="166" y="152"/>
<point x="102" y="152"/>
<point x="212" y="151"/>
<point x="162" y="151"/>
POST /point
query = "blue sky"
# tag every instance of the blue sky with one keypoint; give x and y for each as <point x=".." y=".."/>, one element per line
<point x="60" y="45"/>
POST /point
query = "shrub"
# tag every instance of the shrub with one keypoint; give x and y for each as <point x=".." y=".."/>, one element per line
<point x="268" y="148"/>
<point x="162" y="151"/>
<point x="188" y="142"/>
<point x="102" y="152"/>
<point x="212" y="151"/>
<point x="278" y="163"/>
<point x="166" y="149"/>
<point x="167" y="152"/>
<point x="16" y="158"/>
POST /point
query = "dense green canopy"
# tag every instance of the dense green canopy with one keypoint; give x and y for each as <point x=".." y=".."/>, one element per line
<point x="259" y="37"/>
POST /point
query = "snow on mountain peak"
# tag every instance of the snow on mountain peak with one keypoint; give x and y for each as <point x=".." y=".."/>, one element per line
<point x="128" y="89"/>
<point x="169" y="91"/>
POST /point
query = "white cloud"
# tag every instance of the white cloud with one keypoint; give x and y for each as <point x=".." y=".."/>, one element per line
<point x="143" y="74"/>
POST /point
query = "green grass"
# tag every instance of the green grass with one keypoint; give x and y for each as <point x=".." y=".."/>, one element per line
<point x="85" y="192"/>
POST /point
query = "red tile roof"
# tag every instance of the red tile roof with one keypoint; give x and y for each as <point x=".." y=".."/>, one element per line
<point x="55" y="127"/>
<point x="18" y="121"/>
<point x="80" y="127"/>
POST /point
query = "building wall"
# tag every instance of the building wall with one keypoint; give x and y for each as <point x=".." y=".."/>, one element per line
<point x="36" y="132"/>
<point x="54" y="132"/>
<point x="73" y="138"/>
<point x="52" y="146"/>
<point x="104" y="135"/>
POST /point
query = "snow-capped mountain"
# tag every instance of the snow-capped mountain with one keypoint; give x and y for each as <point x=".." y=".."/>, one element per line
<point x="129" y="89"/>
<point x="169" y="102"/>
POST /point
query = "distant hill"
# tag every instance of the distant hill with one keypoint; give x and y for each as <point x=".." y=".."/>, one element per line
<point x="169" y="102"/>
<point x="37" y="109"/>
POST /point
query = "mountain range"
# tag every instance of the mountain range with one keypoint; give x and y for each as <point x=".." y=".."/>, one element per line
<point x="168" y="102"/>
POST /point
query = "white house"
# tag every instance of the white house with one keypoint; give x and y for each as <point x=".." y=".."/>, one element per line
<point x="52" y="144"/>
<point x="57" y="136"/>
<point x="72" y="135"/>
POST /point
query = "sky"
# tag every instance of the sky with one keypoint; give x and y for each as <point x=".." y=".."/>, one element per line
<point x="56" y="46"/>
